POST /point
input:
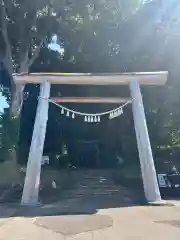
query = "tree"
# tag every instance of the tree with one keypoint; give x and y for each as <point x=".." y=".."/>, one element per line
<point x="147" y="41"/>
<point x="24" y="28"/>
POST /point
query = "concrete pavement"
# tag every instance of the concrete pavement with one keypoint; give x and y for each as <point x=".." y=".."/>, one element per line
<point x="126" y="223"/>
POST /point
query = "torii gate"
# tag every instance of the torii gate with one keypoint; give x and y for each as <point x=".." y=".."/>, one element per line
<point x="133" y="80"/>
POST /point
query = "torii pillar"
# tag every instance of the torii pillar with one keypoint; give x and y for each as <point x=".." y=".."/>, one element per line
<point x="151" y="188"/>
<point x="33" y="172"/>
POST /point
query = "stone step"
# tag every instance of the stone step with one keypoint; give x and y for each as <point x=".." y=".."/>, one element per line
<point x="92" y="177"/>
<point x="94" y="190"/>
<point x="72" y="193"/>
<point x="97" y="173"/>
<point x="95" y="183"/>
<point x="101" y="181"/>
<point x="95" y="187"/>
<point x="88" y="194"/>
<point x="95" y="176"/>
<point x="95" y="179"/>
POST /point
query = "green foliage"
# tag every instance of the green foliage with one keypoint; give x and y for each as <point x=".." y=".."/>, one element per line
<point x="28" y="24"/>
<point x="103" y="36"/>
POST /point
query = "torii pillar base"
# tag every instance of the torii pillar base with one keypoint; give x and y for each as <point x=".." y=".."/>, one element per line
<point x="149" y="177"/>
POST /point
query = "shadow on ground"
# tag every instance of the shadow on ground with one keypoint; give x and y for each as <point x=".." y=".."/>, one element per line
<point x="76" y="206"/>
<point x="92" y="190"/>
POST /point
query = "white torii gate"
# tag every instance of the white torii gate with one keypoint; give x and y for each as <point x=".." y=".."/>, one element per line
<point x="134" y="80"/>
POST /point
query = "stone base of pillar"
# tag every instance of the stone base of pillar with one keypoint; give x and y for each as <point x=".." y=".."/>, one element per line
<point x="31" y="204"/>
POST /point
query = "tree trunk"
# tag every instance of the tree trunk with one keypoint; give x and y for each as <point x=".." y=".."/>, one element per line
<point x="17" y="91"/>
<point x="17" y="100"/>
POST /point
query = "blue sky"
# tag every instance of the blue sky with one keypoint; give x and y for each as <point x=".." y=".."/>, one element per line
<point x="3" y="103"/>
<point x="55" y="46"/>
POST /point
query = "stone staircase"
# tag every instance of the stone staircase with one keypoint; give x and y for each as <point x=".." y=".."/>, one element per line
<point x="96" y="184"/>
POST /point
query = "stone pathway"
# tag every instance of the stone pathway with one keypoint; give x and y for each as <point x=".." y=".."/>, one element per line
<point x="143" y="222"/>
<point x="75" y="224"/>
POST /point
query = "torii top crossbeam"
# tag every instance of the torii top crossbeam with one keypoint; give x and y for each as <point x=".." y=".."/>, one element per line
<point x="144" y="78"/>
